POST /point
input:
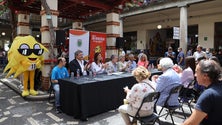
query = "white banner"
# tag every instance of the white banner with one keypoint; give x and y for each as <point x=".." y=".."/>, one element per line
<point x="78" y="40"/>
<point x="176" y="33"/>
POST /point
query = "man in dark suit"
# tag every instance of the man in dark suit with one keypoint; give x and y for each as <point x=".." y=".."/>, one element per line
<point x="78" y="64"/>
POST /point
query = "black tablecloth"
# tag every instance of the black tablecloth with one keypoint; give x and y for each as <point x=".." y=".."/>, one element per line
<point x="85" y="96"/>
<point x="82" y="97"/>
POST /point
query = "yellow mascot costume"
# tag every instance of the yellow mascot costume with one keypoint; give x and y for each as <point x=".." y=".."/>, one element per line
<point x="24" y="56"/>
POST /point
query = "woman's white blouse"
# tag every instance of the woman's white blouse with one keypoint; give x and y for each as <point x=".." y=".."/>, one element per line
<point x="137" y="93"/>
<point x="98" y="68"/>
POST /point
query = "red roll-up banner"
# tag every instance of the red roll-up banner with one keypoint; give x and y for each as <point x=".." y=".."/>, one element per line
<point x="97" y="44"/>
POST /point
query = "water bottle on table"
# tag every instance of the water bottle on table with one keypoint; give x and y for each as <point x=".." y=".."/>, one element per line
<point x="90" y="74"/>
<point x="84" y="73"/>
<point x="94" y="72"/>
<point x="72" y="75"/>
<point x="77" y="73"/>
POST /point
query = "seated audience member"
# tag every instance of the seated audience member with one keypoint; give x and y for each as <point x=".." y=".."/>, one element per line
<point x="157" y="63"/>
<point x="208" y="109"/>
<point x="178" y="69"/>
<point x="199" y="88"/>
<point x="135" y="96"/>
<point x="215" y="59"/>
<point x="79" y="64"/>
<point x="187" y="75"/>
<point x="132" y="62"/>
<point x="97" y="65"/>
<point x="219" y="56"/>
<point x="140" y="54"/>
<point x="122" y="64"/>
<point x="201" y="58"/>
<point x="208" y="53"/>
<point x="166" y="81"/>
<point x="171" y="54"/>
<point x="143" y="61"/>
<point x="58" y="72"/>
<point x="113" y="63"/>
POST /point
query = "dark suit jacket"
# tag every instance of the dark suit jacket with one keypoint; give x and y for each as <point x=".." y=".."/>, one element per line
<point x="74" y="65"/>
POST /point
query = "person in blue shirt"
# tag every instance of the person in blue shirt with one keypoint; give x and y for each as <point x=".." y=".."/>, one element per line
<point x="171" y="54"/>
<point x="132" y="62"/>
<point x="181" y="58"/>
<point x="208" y="109"/>
<point x="189" y="52"/>
<point x="165" y="82"/>
<point x="58" y="72"/>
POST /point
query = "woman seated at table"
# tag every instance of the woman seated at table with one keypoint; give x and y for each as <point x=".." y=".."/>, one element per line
<point x="143" y="61"/>
<point x="135" y="96"/>
<point x="122" y="64"/>
<point x="97" y="65"/>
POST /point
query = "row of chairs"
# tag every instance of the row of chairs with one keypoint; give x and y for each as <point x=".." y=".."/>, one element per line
<point x="188" y="95"/>
<point x="51" y="92"/>
<point x="153" y="97"/>
<point x="151" y="119"/>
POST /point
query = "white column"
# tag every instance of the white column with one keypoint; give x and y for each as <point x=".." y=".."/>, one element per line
<point x="121" y="27"/>
<point x="23" y="26"/>
<point x="183" y="28"/>
<point x="113" y="31"/>
<point x="46" y="38"/>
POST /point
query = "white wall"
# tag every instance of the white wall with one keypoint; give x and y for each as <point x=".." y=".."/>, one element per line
<point x="141" y="39"/>
<point x="205" y="29"/>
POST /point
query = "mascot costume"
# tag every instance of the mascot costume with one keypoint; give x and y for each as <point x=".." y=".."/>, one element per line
<point x="24" y="56"/>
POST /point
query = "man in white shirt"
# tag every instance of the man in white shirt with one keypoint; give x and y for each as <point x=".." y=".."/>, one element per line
<point x="199" y="53"/>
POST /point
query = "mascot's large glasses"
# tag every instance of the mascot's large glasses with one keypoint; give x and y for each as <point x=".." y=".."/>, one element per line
<point x="25" y="50"/>
<point x="28" y="52"/>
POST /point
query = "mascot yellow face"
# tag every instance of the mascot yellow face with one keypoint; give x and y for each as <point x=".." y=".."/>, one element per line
<point x="98" y="49"/>
<point x="25" y="54"/>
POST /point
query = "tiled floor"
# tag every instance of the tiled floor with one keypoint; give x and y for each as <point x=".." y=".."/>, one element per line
<point x="15" y="110"/>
